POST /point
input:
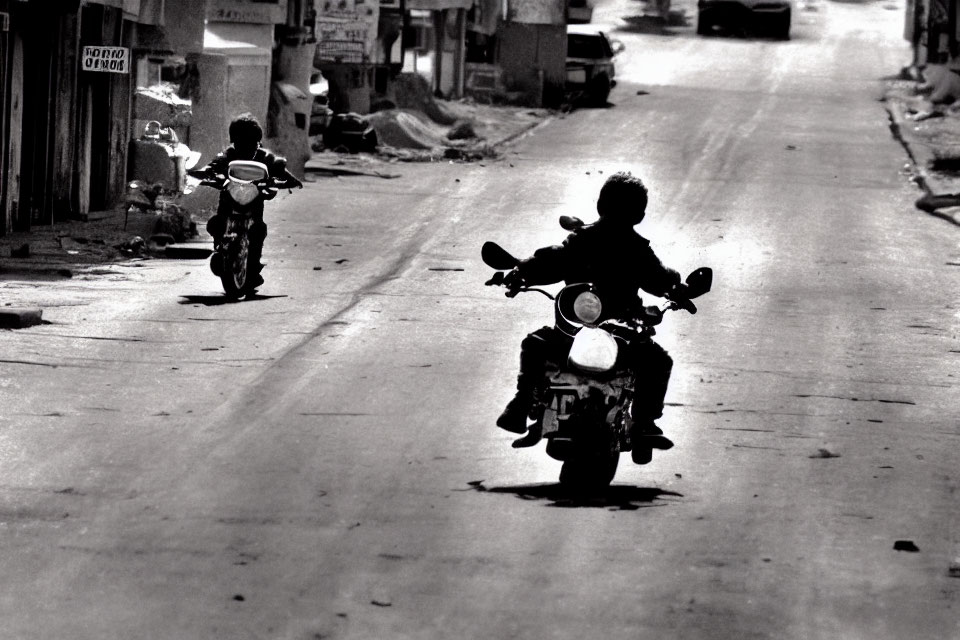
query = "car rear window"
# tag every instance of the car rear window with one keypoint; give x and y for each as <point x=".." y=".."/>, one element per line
<point x="588" y="46"/>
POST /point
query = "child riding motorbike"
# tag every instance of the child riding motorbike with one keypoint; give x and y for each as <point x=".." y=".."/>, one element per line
<point x="618" y="261"/>
<point x="245" y="136"/>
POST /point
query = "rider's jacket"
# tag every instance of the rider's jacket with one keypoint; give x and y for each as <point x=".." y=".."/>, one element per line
<point x="276" y="168"/>
<point x="616" y="259"/>
<point x="276" y="165"/>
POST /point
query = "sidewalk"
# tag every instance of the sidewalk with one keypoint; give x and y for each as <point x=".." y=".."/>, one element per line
<point x="61" y="250"/>
<point x="931" y="137"/>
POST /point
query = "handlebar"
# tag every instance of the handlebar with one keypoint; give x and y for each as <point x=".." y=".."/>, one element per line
<point x="498" y="280"/>
<point x="671" y="304"/>
<point x="218" y="181"/>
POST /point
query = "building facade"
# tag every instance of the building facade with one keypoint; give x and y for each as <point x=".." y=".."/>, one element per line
<point x="81" y="78"/>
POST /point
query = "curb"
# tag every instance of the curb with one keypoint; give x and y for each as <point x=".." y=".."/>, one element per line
<point x="12" y="318"/>
<point x="948" y="207"/>
<point x="897" y="120"/>
<point x="506" y="140"/>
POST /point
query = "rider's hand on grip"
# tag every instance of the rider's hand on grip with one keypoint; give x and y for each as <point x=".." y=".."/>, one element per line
<point x="496" y="280"/>
<point x="513" y="279"/>
<point x="678" y="296"/>
<point x="653" y="314"/>
<point x="688" y="306"/>
<point x="514" y="282"/>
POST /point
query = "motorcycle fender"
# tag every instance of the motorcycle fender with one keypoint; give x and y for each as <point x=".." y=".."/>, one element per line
<point x="613" y="414"/>
<point x="551" y="422"/>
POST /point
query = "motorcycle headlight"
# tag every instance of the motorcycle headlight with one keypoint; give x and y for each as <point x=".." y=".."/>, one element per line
<point x="587" y="307"/>
<point x="593" y="350"/>
<point x="243" y="192"/>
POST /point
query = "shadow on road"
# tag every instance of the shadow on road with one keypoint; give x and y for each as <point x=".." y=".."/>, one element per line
<point x="618" y="497"/>
<point x="214" y="301"/>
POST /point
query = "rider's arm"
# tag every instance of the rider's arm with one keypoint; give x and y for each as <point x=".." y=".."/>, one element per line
<point x="277" y="165"/>
<point x="657" y="279"/>
<point x="545" y="267"/>
<point x="218" y="165"/>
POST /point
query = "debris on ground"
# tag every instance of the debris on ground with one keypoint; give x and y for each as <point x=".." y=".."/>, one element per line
<point x="824" y="453"/>
<point x="15" y="318"/>
<point x="462" y="130"/>
<point x="954" y="569"/>
<point x="906" y="545"/>
<point x="338" y="164"/>
<point x="350" y="133"/>
<point x="132" y="247"/>
<point x="418" y="127"/>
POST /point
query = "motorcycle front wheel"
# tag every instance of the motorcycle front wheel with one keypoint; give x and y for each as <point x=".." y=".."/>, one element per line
<point x="236" y="268"/>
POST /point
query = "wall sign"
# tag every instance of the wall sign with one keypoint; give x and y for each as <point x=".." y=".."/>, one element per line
<point x="108" y="59"/>
<point x="247" y="11"/>
<point x="341" y="41"/>
<point x="346" y="30"/>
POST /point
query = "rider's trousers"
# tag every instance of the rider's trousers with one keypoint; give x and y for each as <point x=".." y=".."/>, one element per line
<point x="650" y="363"/>
<point x="217" y="225"/>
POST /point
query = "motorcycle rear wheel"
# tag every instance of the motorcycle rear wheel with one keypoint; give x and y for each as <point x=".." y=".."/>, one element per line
<point x="589" y="470"/>
<point x="236" y="269"/>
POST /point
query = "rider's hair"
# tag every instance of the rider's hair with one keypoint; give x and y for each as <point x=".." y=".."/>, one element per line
<point x="623" y="196"/>
<point x="245" y="129"/>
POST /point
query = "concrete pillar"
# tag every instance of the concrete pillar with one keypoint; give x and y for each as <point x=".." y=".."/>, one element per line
<point x="460" y="54"/>
<point x="295" y="64"/>
<point x="208" y="129"/>
<point x="290" y="113"/>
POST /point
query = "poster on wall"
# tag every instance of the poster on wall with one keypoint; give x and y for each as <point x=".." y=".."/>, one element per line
<point x="346" y="30"/>
<point x="106" y="59"/>
<point x="342" y="41"/>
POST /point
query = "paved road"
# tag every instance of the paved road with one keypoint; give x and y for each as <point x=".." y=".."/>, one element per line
<point x="321" y="462"/>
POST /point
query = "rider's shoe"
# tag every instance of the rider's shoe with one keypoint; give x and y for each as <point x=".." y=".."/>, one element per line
<point x="641" y="454"/>
<point x="514" y="417"/>
<point x="255" y="281"/>
<point x="648" y="435"/>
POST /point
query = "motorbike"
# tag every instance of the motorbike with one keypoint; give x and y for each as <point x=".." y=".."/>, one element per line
<point x="248" y="184"/>
<point x="582" y="407"/>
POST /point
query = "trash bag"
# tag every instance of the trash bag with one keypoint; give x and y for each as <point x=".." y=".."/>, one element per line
<point x="350" y="131"/>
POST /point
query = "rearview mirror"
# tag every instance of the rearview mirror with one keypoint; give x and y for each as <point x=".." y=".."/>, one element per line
<point x="497" y="257"/>
<point x="699" y="282"/>
<point x="569" y="223"/>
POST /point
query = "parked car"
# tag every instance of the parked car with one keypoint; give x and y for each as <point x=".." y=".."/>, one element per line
<point x="350" y="132"/>
<point x="744" y="15"/>
<point x="590" y="69"/>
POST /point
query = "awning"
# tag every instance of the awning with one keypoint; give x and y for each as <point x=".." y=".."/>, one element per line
<point x="236" y="39"/>
<point x="131" y="9"/>
<point x="437" y="5"/>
